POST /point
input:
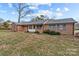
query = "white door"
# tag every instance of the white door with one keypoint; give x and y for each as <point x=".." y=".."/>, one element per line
<point x="31" y="30"/>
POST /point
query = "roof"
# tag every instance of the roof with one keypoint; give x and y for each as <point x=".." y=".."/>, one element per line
<point x="66" y="20"/>
<point x="31" y="22"/>
<point x="49" y="21"/>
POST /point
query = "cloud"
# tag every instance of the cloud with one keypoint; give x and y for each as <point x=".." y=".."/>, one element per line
<point x="3" y="11"/>
<point x="36" y="5"/>
<point x="35" y="14"/>
<point x="33" y="6"/>
<point x="58" y="9"/>
<point x="10" y="5"/>
<point x="28" y="15"/>
<point x="44" y="12"/>
<point x="13" y="13"/>
<point x="49" y="4"/>
<point x="66" y="9"/>
<point x="59" y="14"/>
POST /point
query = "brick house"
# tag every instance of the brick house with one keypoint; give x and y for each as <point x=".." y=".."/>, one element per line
<point x="64" y="26"/>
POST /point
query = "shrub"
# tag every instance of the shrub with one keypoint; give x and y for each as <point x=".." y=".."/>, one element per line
<point x="54" y="33"/>
<point x="6" y="25"/>
<point x="4" y="28"/>
<point x="51" y="32"/>
<point x="46" y="31"/>
<point x="37" y="32"/>
<point x="27" y="31"/>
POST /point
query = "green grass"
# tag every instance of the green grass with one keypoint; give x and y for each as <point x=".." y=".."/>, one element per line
<point x="31" y="44"/>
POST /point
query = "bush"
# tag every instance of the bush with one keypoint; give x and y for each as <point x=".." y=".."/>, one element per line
<point x="37" y="32"/>
<point x="6" y="25"/>
<point x="51" y="32"/>
<point x="4" y="28"/>
<point x="46" y="31"/>
<point x="27" y="31"/>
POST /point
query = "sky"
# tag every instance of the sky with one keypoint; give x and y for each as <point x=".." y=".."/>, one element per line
<point x="51" y="10"/>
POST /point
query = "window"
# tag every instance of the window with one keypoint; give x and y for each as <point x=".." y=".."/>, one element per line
<point x="30" y="26"/>
<point x="61" y="26"/>
<point x="57" y="27"/>
<point x="39" y="26"/>
<point x="52" y="26"/>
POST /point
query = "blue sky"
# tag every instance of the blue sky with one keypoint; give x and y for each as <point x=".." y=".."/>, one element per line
<point x="59" y="10"/>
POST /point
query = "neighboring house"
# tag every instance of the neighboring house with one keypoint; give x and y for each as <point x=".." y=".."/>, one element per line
<point x="1" y="24"/>
<point x="10" y="25"/>
<point x="77" y="26"/>
<point x="64" y="26"/>
<point x="76" y="31"/>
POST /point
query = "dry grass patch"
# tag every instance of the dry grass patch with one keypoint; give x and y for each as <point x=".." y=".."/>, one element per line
<point x="19" y="43"/>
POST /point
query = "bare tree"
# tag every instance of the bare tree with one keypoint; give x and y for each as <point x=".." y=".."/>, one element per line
<point x="22" y="10"/>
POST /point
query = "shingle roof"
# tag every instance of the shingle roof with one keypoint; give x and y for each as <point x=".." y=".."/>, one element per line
<point x="66" y="20"/>
<point x="50" y="21"/>
<point x="32" y="22"/>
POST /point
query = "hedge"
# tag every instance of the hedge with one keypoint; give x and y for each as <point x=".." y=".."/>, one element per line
<point x="51" y="32"/>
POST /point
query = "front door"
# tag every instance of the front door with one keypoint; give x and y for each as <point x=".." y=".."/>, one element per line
<point x="31" y="28"/>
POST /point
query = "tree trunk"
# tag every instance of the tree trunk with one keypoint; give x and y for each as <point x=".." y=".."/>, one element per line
<point x="19" y="18"/>
<point x="19" y="13"/>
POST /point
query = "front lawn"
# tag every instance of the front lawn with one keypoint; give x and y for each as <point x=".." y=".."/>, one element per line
<point x="31" y="44"/>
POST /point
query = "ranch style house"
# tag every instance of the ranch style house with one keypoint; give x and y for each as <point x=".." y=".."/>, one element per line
<point x="64" y="26"/>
